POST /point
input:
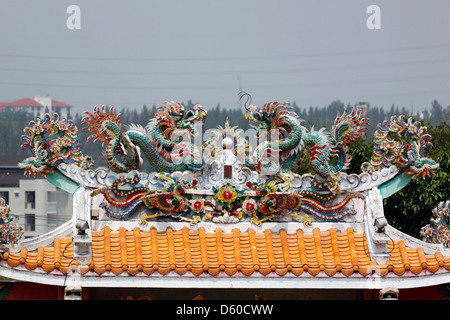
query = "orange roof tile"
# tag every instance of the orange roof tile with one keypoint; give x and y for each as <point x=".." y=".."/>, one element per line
<point x="248" y="252"/>
<point x="59" y="257"/>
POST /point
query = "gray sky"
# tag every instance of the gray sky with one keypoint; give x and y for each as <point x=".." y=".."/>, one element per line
<point x="130" y="53"/>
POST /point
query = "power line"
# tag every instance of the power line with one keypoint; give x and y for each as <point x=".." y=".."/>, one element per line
<point x="376" y="95"/>
<point x="44" y="216"/>
<point x="206" y="87"/>
<point x="227" y="72"/>
<point x="271" y="57"/>
<point x="115" y="87"/>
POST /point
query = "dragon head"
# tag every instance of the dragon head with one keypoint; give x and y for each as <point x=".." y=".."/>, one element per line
<point x="172" y="117"/>
<point x="260" y="119"/>
<point x="188" y="118"/>
<point x="273" y="116"/>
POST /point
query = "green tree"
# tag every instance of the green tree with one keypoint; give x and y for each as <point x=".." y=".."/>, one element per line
<point x="361" y="151"/>
<point x="12" y="124"/>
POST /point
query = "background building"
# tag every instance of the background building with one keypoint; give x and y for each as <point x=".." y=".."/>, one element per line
<point x="37" y="106"/>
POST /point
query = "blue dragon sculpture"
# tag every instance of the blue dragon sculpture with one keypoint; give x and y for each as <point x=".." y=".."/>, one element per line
<point x="159" y="141"/>
<point x="285" y="142"/>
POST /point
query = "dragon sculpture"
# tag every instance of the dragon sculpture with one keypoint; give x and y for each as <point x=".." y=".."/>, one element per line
<point x="437" y="230"/>
<point x="170" y="200"/>
<point x="401" y="142"/>
<point x="52" y="141"/>
<point x="9" y="233"/>
<point x="285" y="142"/>
<point x="276" y="197"/>
<point x="159" y="141"/>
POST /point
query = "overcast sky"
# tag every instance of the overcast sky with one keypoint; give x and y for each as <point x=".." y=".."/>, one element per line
<point x="130" y="53"/>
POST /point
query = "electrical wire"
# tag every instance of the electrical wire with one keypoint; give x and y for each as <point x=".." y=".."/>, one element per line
<point x="250" y="86"/>
<point x="70" y="263"/>
<point x="271" y="57"/>
<point x="228" y="72"/>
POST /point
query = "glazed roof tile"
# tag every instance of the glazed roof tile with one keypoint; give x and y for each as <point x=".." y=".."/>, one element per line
<point x="250" y="252"/>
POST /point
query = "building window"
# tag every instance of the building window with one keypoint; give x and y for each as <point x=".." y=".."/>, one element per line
<point x="30" y="222"/>
<point x="5" y="196"/>
<point x="30" y="200"/>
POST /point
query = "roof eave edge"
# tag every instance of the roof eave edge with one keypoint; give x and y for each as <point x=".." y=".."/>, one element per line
<point x="238" y="282"/>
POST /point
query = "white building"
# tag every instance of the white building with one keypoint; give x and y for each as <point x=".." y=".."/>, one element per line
<point x="38" y="205"/>
<point x="37" y="106"/>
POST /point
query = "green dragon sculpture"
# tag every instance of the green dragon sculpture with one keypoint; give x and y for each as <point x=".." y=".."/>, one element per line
<point x="285" y="142"/>
<point x="159" y="141"/>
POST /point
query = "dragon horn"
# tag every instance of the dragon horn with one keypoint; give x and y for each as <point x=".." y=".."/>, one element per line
<point x="248" y="101"/>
